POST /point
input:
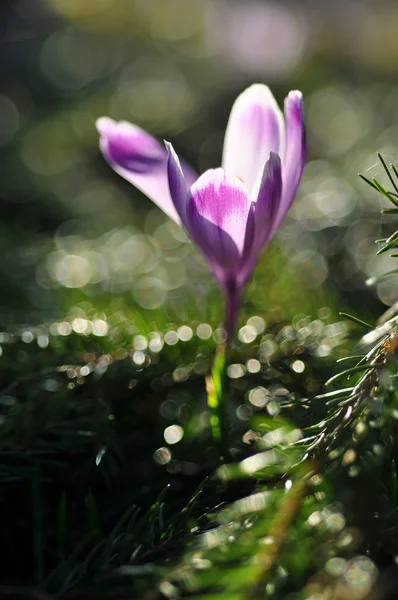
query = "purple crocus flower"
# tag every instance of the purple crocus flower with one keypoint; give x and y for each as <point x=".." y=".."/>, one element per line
<point x="141" y="159"/>
<point x="232" y="212"/>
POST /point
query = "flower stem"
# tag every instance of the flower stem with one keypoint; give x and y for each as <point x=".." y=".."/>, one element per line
<point x="215" y="386"/>
<point x="233" y="297"/>
<point x="216" y="383"/>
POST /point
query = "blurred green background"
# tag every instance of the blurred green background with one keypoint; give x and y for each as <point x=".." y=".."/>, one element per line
<point x="76" y="240"/>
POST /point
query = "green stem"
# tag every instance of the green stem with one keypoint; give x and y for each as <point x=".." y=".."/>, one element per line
<point x="216" y="383"/>
<point x="215" y="386"/>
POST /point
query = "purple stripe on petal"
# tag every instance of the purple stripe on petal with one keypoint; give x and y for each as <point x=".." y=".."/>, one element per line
<point x="141" y="159"/>
<point x="266" y="203"/>
<point x="268" y="200"/>
<point x="129" y="147"/>
<point x="296" y="152"/>
<point x="250" y="232"/>
<point x="177" y="185"/>
<point x="255" y="128"/>
<point x="217" y="214"/>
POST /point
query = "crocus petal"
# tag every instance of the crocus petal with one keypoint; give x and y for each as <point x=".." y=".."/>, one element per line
<point x="255" y="128"/>
<point x="141" y="159"/>
<point x="267" y="201"/>
<point x="177" y="184"/>
<point x="295" y="155"/>
<point x="266" y="198"/>
<point x="249" y="233"/>
<point x="128" y="146"/>
<point x="217" y="215"/>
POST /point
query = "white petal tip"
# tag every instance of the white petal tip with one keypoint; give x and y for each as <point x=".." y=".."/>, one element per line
<point x="168" y="146"/>
<point x="103" y="124"/>
<point x="258" y="92"/>
<point x="295" y="96"/>
<point x="172" y="154"/>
